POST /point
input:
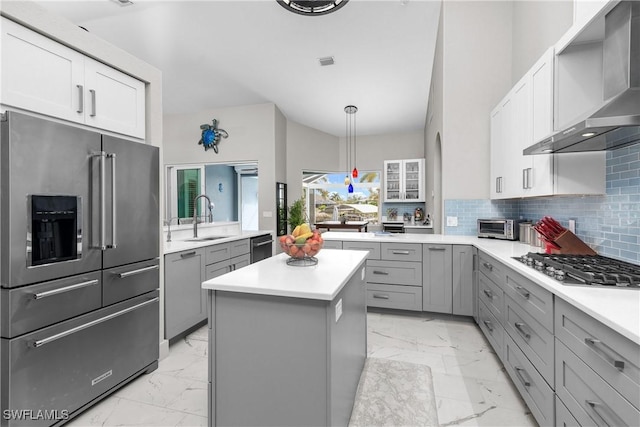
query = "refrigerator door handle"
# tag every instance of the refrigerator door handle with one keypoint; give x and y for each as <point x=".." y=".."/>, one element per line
<point x="103" y="214"/>
<point x="113" y="244"/>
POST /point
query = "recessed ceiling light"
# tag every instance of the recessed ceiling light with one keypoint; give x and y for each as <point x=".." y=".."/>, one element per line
<point x="312" y="7"/>
<point x="327" y="60"/>
<point x="548" y="150"/>
<point x="588" y="134"/>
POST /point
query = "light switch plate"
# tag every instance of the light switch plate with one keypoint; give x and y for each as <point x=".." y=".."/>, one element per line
<point x="452" y="221"/>
<point x="338" y="309"/>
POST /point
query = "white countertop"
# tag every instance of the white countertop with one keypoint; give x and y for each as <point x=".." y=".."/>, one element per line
<point x="617" y="308"/>
<point x="177" y="245"/>
<point x="273" y="276"/>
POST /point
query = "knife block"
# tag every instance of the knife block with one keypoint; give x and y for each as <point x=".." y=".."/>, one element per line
<point x="572" y="245"/>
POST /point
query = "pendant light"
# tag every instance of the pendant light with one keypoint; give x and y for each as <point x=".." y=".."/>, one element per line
<point x="351" y="111"/>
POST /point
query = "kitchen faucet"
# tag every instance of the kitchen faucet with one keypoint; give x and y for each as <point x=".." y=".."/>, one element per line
<point x="210" y="206"/>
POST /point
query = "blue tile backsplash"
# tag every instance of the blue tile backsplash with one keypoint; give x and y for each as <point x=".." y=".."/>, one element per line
<point x="610" y="224"/>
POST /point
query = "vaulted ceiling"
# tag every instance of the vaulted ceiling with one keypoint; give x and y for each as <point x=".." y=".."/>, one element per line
<point x="216" y="54"/>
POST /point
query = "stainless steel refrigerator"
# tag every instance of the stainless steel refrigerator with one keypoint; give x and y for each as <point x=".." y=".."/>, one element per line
<point x="79" y="268"/>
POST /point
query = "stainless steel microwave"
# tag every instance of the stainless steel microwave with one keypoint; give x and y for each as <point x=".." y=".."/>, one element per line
<point x="499" y="228"/>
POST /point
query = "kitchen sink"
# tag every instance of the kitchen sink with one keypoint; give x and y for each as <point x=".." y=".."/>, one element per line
<point x="204" y="239"/>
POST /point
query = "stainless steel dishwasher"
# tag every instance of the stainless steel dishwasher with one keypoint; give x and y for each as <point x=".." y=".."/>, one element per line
<point x="261" y="247"/>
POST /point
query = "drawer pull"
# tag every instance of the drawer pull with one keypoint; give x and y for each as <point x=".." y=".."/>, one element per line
<point x="400" y="252"/>
<point x="384" y="273"/>
<point x="380" y="296"/>
<point x="138" y="271"/>
<point x="594" y="407"/>
<point x="488" y="293"/>
<point x="618" y="364"/>
<point x="520" y="327"/>
<point x="69" y="288"/>
<point x="488" y="324"/>
<point x="526" y="381"/>
<point x="438" y="249"/>
<point x="525" y="293"/>
<point x="488" y="266"/>
<point x="68" y="332"/>
<point x="187" y="254"/>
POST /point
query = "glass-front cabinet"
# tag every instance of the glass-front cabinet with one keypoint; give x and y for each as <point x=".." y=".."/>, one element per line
<point x="404" y="180"/>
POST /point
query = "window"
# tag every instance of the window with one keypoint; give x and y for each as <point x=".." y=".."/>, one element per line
<point x="184" y="184"/>
<point x="327" y="197"/>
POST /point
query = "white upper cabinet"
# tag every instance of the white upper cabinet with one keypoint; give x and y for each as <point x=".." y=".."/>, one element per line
<point x="526" y="116"/>
<point x="43" y="76"/>
<point x="404" y="180"/>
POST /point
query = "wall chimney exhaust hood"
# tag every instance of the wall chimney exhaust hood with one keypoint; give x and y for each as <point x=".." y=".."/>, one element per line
<point x="616" y="123"/>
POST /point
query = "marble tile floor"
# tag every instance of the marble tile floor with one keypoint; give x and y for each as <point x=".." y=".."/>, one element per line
<point x="471" y="386"/>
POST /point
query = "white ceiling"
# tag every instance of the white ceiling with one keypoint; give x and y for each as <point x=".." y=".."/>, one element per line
<point x="217" y="54"/>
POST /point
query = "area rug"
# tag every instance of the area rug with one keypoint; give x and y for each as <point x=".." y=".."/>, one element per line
<point x="392" y="393"/>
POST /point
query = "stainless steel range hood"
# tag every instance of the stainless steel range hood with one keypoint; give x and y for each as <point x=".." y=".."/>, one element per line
<point x="616" y="123"/>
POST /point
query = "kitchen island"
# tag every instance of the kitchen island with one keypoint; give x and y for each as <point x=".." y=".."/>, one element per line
<point x="287" y="343"/>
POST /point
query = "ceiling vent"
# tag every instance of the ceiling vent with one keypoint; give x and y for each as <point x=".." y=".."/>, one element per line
<point x="327" y="60"/>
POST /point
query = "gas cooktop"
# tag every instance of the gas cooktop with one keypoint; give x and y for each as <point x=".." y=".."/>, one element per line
<point x="591" y="270"/>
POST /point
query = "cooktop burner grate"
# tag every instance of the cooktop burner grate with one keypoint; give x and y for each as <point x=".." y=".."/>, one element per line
<point x="591" y="270"/>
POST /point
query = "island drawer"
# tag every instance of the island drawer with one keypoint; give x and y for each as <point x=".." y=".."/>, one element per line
<point x="563" y="416"/>
<point x="401" y="251"/>
<point x="532" y="338"/>
<point x="589" y="398"/>
<point x="492" y="295"/>
<point x="536" y="300"/>
<point x="491" y="268"/>
<point x="372" y="247"/>
<point x="394" y="296"/>
<point x="332" y="244"/>
<point x="614" y="357"/>
<point x="532" y="387"/>
<point x="394" y="272"/>
<point x="218" y="252"/>
<point x="216" y="269"/>
<point x="239" y="247"/>
<point x="491" y="328"/>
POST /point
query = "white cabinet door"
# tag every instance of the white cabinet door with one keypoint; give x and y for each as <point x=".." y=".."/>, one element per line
<point x="43" y="76"/>
<point x="114" y="100"/>
<point x="39" y="74"/>
<point x="519" y="164"/>
<point x="497" y="150"/>
<point x="404" y="180"/>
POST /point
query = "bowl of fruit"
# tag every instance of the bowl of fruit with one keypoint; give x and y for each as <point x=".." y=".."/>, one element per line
<point x="302" y="245"/>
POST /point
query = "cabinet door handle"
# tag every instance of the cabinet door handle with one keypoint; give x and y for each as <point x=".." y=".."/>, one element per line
<point x="92" y="92"/>
<point x="400" y="252"/>
<point x="488" y="266"/>
<point x="187" y="254"/>
<point x="529" y="179"/>
<point x="384" y="273"/>
<point x="525" y="293"/>
<point x="594" y="406"/>
<point x="69" y="288"/>
<point x="520" y="327"/>
<point x="437" y="249"/>
<point x="380" y="296"/>
<point x="526" y="381"/>
<point x="80" y="99"/>
<point x="488" y="293"/>
<point x="488" y="324"/>
<point x="613" y="358"/>
<point x="524" y="179"/>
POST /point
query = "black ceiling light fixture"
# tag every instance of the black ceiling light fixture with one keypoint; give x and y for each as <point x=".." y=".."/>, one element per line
<point x="312" y="7"/>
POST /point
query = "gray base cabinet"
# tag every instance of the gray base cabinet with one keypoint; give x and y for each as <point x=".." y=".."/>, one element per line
<point x="279" y="361"/>
<point x="437" y="278"/>
<point x="184" y="273"/>
<point x="462" y="286"/>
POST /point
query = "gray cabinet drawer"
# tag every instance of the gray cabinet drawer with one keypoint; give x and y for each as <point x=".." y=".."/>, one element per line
<point x="491" y="268"/>
<point x="239" y="261"/>
<point x="590" y="399"/>
<point x="491" y="328"/>
<point x="394" y="272"/>
<point x="392" y="296"/>
<point x="536" y="301"/>
<point x="216" y="269"/>
<point x="332" y="244"/>
<point x="532" y="338"/>
<point x="492" y="295"/>
<point x="534" y="389"/>
<point x="612" y="356"/>
<point x="239" y="247"/>
<point x="401" y="251"/>
<point x="217" y="253"/>
<point x="563" y="416"/>
<point x="372" y="247"/>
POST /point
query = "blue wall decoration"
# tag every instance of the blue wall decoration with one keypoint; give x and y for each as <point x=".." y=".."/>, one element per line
<point x="211" y="136"/>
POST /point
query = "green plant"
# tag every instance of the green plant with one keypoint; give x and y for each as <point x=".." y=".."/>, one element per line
<point x="297" y="214"/>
